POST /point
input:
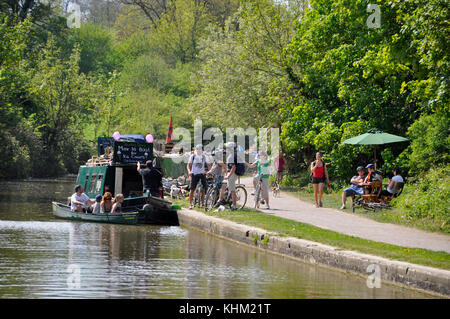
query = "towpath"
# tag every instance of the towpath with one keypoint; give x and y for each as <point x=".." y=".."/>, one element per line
<point x="289" y="207"/>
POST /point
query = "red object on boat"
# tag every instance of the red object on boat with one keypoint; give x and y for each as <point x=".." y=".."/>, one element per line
<point x="169" y="134"/>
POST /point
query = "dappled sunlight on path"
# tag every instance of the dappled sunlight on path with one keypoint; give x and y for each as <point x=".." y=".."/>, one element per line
<point x="289" y="207"/>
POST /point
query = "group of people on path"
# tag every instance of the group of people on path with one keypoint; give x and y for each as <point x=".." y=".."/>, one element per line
<point x="230" y="170"/>
<point x="360" y="183"/>
<point x="198" y="167"/>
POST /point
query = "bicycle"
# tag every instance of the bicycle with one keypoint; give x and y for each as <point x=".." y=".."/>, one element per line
<point x="275" y="188"/>
<point x="257" y="198"/>
<point x="198" y="191"/>
<point x="212" y="196"/>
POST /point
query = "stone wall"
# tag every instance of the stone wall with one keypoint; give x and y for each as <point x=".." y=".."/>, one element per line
<point x="401" y="273"/>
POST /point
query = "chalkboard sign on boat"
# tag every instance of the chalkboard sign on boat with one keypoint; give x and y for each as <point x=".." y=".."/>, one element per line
<point x="131" y="152"/>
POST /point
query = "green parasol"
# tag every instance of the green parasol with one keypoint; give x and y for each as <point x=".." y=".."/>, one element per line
<point x="375" y="137"/>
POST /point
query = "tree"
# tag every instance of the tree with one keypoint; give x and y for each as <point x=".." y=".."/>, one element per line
<point x="245" y="77"/>
<point x="63" y="94"/>
<point x="349" y="73"/>
<point x="13" y="43"/>
<point x="98" y="53"/>
<point x="430" y="142"/>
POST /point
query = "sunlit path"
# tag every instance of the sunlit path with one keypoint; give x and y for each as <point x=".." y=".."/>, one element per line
<point x="290" y="207"/>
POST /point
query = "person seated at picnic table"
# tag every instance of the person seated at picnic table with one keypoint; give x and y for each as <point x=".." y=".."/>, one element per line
<point x="356" y="188"/>
<point x="392" y="185"/>
<point x="372" y="176"/>
<point x="106" y="204"/>
<point x="80" y="202"/>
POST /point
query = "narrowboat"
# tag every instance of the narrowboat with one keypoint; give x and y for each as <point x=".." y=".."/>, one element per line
<point x="114" y="170"/>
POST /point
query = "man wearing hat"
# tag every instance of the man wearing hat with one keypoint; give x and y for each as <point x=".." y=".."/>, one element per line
<point x="96" y="206"/>
<point x="356" y="188"/>
<point x="371" y="176"/>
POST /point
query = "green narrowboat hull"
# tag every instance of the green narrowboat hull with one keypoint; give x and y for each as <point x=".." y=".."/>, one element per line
<point x="64" y="211"/>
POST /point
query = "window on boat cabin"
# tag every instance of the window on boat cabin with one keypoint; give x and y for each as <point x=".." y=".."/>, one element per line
<point x="98" y="185"/>
<point x="91" y="186"/>
<point x="86" y="183"/>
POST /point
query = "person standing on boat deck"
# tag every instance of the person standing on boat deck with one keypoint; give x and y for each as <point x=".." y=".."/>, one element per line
<point x="79" y="202"/>
<point x="156" y="176"/>
<point x="151" y="178"/>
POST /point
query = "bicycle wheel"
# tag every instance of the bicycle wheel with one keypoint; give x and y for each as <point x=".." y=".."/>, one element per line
<point x="241" y="197"/>
<point x="257" y="195"/>
<point x="211" y="198"/>
<point x="197" y="197"/>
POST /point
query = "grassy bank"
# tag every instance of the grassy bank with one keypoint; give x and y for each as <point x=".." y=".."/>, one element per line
<point x="286" y="227"/>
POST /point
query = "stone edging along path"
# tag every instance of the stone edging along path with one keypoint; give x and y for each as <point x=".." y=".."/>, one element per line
<point x="401" y="273"/>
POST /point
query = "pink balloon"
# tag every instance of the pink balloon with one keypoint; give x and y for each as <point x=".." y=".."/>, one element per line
<point x="149" y="138"/>
<point x="116" y="136"/>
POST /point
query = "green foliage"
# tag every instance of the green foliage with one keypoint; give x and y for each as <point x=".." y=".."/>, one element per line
<point x="318" y="73"/>
<point x="43" y="101"/>
<point x="180" y="29"/>
<point x="13" y="43"/>
<point x="428" y="198"/>
<point x="97" y="52"/>
<point x="64" y="96"/>
<point x="430" y="142"/>
<point x="301" y="180"/>
<point x="425" y="29"/>
<point x="243" y="78"/>
<point x="15" y="159"/>
<point x="354" y="78"/>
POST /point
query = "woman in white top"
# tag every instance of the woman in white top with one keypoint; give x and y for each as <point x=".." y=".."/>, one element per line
<point x="392" y="186"/>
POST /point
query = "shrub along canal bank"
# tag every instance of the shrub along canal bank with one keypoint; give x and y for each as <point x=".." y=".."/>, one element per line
<point x="410" y="267"/>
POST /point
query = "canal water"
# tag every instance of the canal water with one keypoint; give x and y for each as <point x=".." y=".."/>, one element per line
<point x="43" y="257"/>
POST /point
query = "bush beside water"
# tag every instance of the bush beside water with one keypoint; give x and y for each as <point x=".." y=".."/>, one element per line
<point x="427" y="199"/>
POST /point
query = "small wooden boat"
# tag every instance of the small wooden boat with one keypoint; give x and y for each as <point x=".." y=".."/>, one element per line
<point x="64" y="211"/>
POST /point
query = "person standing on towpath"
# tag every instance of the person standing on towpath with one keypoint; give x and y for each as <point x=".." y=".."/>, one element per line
<point x="319" y="173"/>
